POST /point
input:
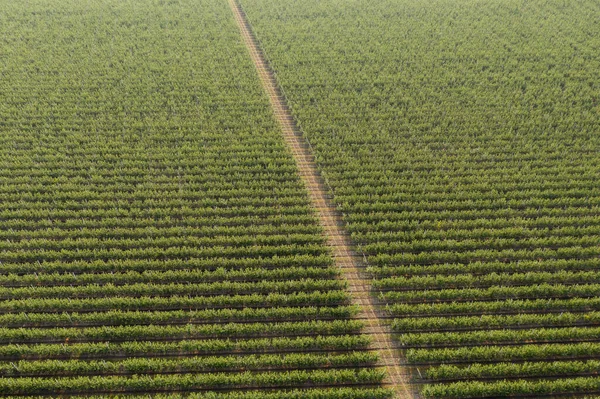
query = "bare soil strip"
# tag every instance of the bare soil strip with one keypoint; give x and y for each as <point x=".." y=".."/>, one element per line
<point x="348" y="262"/>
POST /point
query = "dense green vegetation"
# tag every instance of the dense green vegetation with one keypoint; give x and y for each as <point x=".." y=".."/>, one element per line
<point x="155" y="236"/>
<point x="156" y="240"/>
<point x="460" y="138"/>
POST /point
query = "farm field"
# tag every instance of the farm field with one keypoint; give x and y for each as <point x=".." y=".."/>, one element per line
<point x="165" y="232"/>
<point x="461" y="141"/>
<point x="155" y="237"/>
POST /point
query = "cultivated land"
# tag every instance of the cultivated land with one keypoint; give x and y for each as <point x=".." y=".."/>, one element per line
<point x="156" y="236"/>
<point x="461" y="140"/>
<point x="166" y="233"/>
<point x="345" y="258"/>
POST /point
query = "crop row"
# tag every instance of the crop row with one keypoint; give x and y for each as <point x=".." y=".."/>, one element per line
<point x="495" y="321"/>
<point x="502" y="192"/>
<point x="420" y="239"/>
<point x="414" y="218"/>
<point x="167" y="288"/>
<point x="143" y="212"/>
<point x="105" y="350"/>
<point x="573" y="333"/>
<point x="154" y="253"/>
<point x="142" y="265"/>
<point x="183" y="332"/>
<point x="248" y="162"/>
<point x="505" y="353"/>
<point x="186" y="365"/>
<point x="512" y="370"/>
<point x="468" y="204"/>
<point x="176" y="317"/>
<point x="465" y="281"/>
<point x="486" y="255"/>
<point x="175" y="302"/>
<point x="116" y="222"/>
<point x="493" y="307"/>
<point x="171" y="276"/>
<point x="131" y="174"/>
<point x="83" y="195"/>
<point x="512" y="178"/>
<point x="238" y="241"/>
<point x="154" y="231"/>
<point x="186" y="382"/>
<point x="492" y="293"/>
<point x="216" y="188"/>
<point x="310" y="393"/>
<point x="492" y="244"/>
<point x="475" y="389"/>
<point x="484" y="268"/>
<point x="469" y="227"/>
<point x="134" y="207"/>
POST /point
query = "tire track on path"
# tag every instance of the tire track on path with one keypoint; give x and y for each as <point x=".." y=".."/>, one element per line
<point x="329" y="217"/>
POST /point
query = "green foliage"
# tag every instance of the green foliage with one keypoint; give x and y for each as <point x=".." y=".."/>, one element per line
<point x="187" y="382"/>
<point x="508" y="370"/>
<point x="191" y="364"/>
<point x="328" y="393"/>
<point x="460" y="141"/>
<point x="156" y="236"/>
<point x="478" y="389"/>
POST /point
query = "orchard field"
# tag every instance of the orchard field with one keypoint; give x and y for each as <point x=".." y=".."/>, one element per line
<point x="461" y="139"/>
<point x="157" y="240"/>
<point x="155" y="235"/>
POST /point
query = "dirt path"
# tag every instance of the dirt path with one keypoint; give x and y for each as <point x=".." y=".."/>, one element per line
<point x="330" y="219"/>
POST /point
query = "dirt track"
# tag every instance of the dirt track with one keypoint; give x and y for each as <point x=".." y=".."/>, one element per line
<point x="349" y="264"/>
